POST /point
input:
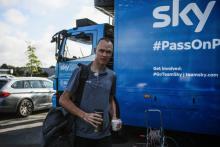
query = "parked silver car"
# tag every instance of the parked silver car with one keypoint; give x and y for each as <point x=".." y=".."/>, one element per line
<point x="25" y="94"/>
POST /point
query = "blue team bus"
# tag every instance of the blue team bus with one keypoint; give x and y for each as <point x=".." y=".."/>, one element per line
<point x="166" y="57"/>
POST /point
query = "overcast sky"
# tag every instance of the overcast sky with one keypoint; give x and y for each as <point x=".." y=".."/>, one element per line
<point x="35" y="21"/>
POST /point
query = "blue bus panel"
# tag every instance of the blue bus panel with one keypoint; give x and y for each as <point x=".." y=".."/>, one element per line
<point x="166" y="57"/>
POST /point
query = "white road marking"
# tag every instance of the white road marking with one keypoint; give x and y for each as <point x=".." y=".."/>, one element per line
<point x="22" y="123"/>
<point x="21" y="127"/>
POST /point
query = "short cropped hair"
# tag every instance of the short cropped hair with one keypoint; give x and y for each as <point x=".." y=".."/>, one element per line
<point x="103" y="38"/>
<point x="106" y="39"/>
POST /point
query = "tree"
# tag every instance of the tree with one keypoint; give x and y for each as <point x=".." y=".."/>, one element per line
<point x="34" y="63"/>
<point x="5" y="66"/>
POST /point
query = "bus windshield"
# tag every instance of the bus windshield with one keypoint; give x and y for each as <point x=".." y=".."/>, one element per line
<point x="78" y="46"/>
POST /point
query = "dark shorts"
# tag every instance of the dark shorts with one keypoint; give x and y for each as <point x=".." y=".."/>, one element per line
<point x="84" y="142"/>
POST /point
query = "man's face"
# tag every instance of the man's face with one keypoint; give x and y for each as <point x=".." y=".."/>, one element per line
<point x="104" y="52"/>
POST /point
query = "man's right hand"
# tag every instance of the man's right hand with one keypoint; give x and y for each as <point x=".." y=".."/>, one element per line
<point x="93" y="118"/>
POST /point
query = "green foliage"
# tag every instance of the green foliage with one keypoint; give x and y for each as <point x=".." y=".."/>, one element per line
<point x="32" y="67"/>
<point x="19" y="71"/>
<point x="23" y="71"/>
<point x="5" y="66"/>
<point x="33" y="64"/>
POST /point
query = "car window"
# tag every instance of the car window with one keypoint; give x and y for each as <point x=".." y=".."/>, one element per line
<point x="36" y="84"/>
<point x="17" y="84"/>
<point x="2" y="83"/>
<point x="27" y="84"/>
<point x="48" y="84"/>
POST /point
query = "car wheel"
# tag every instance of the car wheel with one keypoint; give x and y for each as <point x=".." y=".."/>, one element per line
<point x="25" y="108"/>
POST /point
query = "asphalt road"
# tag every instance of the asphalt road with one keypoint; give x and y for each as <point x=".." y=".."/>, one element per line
<point x="21" y="132"/>
<point x="25" y="132"/>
